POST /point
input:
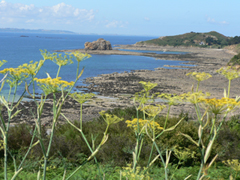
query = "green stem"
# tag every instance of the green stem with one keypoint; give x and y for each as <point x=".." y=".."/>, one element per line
<point x="164" y="164"/>
<point x="202" y="163"/>
<point x="55" y="117"/>
<point x="81" y="116"/>
<point x="84" y="138"/>
<point x="77" y="69"/>
<point x="150" y="156"/>
<point x="30" y="147"/>
<point x="6" y="135"/>
<point x="103" y="139"/>
<point x="58" y="71"/>
<point x="5" y="156"/>
<point x="165" y="124"/>
<point x="202" y="152"/>
<point x="140" y="149"/>
<point x="33" y="88"/>
<point x="198" y="113"/>
<point x="14" y="95"/>
<point x="229" y="85"/>
<point x="136" y="154"/>
<point x="213" y="123"/>
<point x="197" y="86"/>
<point x="9" y="93"/>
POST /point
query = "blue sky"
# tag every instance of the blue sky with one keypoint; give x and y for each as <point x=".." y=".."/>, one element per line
<point x="123" y="17"/>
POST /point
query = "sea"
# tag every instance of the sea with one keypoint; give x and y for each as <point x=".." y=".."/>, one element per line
<point x="20" y="48"/>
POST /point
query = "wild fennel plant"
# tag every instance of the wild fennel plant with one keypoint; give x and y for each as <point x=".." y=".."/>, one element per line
<point x="26" y="73"/>
<point x="150" y="128"/>
<point x="14" y="77"/>
<point x="215" y="113"/>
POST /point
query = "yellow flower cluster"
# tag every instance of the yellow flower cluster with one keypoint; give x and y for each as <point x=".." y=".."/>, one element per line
<point x="199" y="76"/>
<point x="47" y="55"/>
<point x="194" y="97"/>
<point x="152" y="110"/>
<point x="172" y="99"/>
<point x="218" y="106"/>
<point x="183" y="154"/>
<point x="110" y="119"/>
<point x="82" y="97"/>
<point x="129" y="174"/>
<point x="49" y="85"/>
<point x="229" y="73"/>
<point x="2" y="62"/>
<point x="80" y="56"/>
<point x="62" y="60"/>
<point x="23" y="70"/>
<point x="56" y="82"/>
<point x="148" y="85"/>
<point x="32" y="68"/>
<point x="234" y="164"/>
<point x="14" y="71"/>
<point x="150" y="124"/>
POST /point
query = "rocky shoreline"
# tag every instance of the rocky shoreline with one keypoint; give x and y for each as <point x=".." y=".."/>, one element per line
<point x="116" y="89"/>
<point x="124" y="85"/>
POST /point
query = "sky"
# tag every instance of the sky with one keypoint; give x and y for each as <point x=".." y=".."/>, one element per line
<point x="123" y="17"/>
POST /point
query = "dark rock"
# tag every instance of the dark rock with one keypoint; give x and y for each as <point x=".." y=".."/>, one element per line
<point x="100" y="44"/>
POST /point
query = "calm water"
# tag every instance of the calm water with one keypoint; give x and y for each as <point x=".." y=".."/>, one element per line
<point x="18" y="50"/>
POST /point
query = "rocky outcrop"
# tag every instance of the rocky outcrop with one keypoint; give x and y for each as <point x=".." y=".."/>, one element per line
<point x="100" y="44"/>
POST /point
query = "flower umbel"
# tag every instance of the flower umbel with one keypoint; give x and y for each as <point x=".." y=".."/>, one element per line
<point x="172" y="99"/>
<point x="142" y="123"/>
<point x="194" y="97"/>
<point x="49" y="85"/>
<point x="219" y="106"/>
<point x="110" y="119"/>
<point x="32" y="68"/>
<point x="148" y="85"/>
<point x="2" y="62"/>
<point x="62" y="60"/>
<point x="199" y="76"/>
<point x="234" y="164"/>
<point x="81" y="97"/>
<point x="152" y="110"/>
<point x="229" y="73"/>
<point x="15" y="75"/>
<point x="80" y="56"/>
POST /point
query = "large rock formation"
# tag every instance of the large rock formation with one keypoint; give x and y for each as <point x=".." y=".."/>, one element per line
<point x="100" y="44"/>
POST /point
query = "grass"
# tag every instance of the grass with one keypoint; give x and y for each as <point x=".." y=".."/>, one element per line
<point x="90" y="172"/>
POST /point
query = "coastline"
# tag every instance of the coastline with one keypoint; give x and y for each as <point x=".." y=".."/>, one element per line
<point x="116" y="90"/>
<point x="124" y="85"/>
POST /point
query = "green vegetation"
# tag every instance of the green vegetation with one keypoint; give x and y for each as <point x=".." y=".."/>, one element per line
<point x="235" y="60"/>
<point x="210" y="39"/>
<point x="69" y="150"/>
<point x="133" y="143"/>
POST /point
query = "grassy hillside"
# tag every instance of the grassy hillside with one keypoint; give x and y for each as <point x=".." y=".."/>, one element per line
<point x="213" y="39"/>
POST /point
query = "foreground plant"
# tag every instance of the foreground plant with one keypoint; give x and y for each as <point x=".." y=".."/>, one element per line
<point x="81" y="98"/>
<point x="109" y="119"/>
<point x="53" y="86"/>
<point x="234" y="164"/>
<point x="14" y="77"/>
<point x="215" y="113"/>
<point x="26" y="73"/>
<point x="150" y="128"/>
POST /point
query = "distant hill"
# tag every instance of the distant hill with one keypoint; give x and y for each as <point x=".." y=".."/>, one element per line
<point x="213" y="39"/>
<point x="16" y="30"/>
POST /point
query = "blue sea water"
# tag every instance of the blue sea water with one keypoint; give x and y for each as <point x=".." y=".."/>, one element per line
<point x="18" y="50"/>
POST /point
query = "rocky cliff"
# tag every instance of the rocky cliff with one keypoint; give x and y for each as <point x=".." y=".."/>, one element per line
<point x="100" y="44"/>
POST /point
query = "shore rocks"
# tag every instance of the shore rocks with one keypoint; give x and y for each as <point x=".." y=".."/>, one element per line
<point x="100" y="44"/>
